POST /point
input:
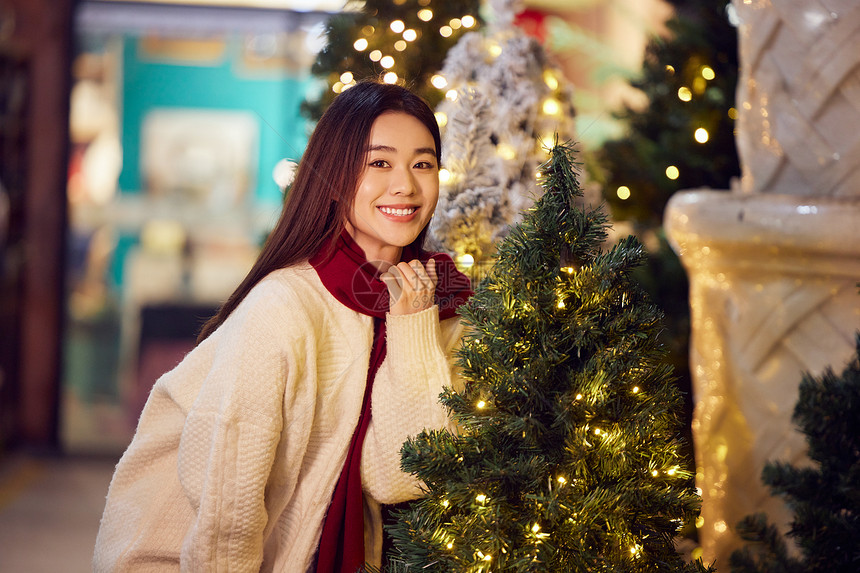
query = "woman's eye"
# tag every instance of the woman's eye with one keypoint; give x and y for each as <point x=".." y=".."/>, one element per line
<point x="378" y="163"/>
<point x="424" y="165"/>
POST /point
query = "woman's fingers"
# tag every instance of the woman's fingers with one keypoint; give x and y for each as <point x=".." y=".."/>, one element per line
<point x="411" y="286"/>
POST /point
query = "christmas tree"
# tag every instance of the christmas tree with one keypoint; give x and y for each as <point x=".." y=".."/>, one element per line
<point x="400" y="41"/>
<point x="506" y="99"/>
<point x="825" y="499"/>
<point x="684" y="137"/>
<point x="568" y="455"/>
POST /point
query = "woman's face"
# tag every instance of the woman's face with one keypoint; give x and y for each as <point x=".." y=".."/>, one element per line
<point x="398" y="188"/>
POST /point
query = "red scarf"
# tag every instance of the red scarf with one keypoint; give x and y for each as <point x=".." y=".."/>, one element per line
<point x="353" y="281"/>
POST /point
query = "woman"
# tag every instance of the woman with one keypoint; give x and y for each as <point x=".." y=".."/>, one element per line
<point x="259" y="450"/>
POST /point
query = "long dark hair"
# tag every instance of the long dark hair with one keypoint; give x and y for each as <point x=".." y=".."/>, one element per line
<point x="320" y="199"/>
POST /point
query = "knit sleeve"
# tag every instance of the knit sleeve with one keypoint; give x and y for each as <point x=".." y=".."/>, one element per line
<point x="419" y="363"/>
<point x="190" y="494"/>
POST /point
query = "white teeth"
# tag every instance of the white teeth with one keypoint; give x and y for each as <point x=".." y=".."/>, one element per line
<point x="399" y="212"/>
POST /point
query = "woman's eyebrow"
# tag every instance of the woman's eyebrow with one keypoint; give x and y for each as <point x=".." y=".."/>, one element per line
<point x="389" y="149"/>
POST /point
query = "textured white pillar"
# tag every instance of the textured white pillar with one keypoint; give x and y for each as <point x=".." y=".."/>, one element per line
<point x="773" y="264"/>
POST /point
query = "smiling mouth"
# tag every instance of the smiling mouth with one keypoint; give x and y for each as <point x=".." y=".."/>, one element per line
<point x="398" y="212"/>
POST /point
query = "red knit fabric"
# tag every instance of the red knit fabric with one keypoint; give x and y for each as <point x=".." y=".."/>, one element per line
<point x="353" y="281"/>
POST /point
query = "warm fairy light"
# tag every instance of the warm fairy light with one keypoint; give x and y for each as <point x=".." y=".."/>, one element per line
<point x="670" y="69"/>
<point x="568" y="270"/>
<point x="397" y="26"/>
<point x="390" y="78"/>
<point x="579" y="396"/>
<point x="597" y="431"/>
<point x="495" y="50"/>
<point x="360" y="44"/>
<point x="535" y="528"/>
<point x="560" y="304"/>
<point x="701" y="135"/>
<point x="337" y="87"/>
<point x="506" y="151"/>
<point x="700" y="521"/>
<point x="684" y="93"/>
<point x="623" y="192"/>
<point x="445" y="503"/>
<point x="467" y="21"/>
<point x="550" y="80"/>
<point x="441" y="118"/>
<point x="708" y="73"/>
<point x="425" y="14"/>
<point x="671" y="471"/>
<point x="400" y="45"/>
<point x="655" y="473"/>
<point x="375" y="55"/>
<point x="446" y="31"/>
<point x="488" y="557"/>
<point x="636" y="389"/>
<point x="410" y="35"/>
<point x="733" y="113"/>
<point x="451" y="95"/>
<point x="455" y="23"/>
<point x="439" y="81"/>
<point x="450" y="545"/>
<point x="561" y="480"/>
<point x="636" y="550"/>
<point x="672" y="172"/>
<point x="481" y="404"/>
<point x="368" y="30"/>
<point x="346" y="77"/>
<point x="444" y="176"/>
<point x="387" y="62"/>
<point x="551" y="106"/>
<point x="481" y="498"/>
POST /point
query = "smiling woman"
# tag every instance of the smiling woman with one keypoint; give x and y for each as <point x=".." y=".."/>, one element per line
<point x="271" y="412"/>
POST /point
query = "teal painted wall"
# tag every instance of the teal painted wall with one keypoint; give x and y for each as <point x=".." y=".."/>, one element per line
<point x="274" y="98"/>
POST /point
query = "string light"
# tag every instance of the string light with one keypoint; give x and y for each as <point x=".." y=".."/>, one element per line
<point x="444" y="176"/>
<point x="400" y="45"/>
<point x="375" y="55"/>
<point x="701" y="135"/>
<point x="481" y="498"/>
<point x="684" y="93"/>
<point x="425" y="14"/>
<point x="535" y="528"/>
<point x="410" y="35"/>
<point x="561" y="480"/>
<point x="623" y="192"/>
<point x="550" y="80"/>
<point x="451" y="95"/>
<point x="446" y="31"/>
<point x="670" y="69"/>
<point x="390" y="78"/>
<point x="397" y="26"/>
<point x="560" y="304"/>
<point x="708" y="73"/>
<point x="439" y="81"/>
<point x="672" y="172"/>
<point x="481" y="404"/>
<point x="506" y="151"/>
<point x="368" y="30"/>
<point x="441" y="118"/>
<point x="445" y="503"/>
<point x="636" y="389"/>
<point x="551" y="106"/>
<point x="579" y="396"/>
<point x="733" y="113"/>
<point x="495" y="50"/>
<point x="360" y="44"/>
<point x="468" y="21"/>
<point x="455" y="23"/>
<point x="337" y="87"/>
<point x="386" y="62"/>
<point x="346" y="77"/>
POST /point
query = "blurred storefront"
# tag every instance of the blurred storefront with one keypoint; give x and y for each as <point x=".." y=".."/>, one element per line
<point x="179" y="116"/>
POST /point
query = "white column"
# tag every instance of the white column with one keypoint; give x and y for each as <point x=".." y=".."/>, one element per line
<point x="774" y="263"/>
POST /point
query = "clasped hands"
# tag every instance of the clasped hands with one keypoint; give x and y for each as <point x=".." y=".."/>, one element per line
<point x="411" y="286"/>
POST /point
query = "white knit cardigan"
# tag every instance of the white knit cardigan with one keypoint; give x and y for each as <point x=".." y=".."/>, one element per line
<point x="239" y="447"/>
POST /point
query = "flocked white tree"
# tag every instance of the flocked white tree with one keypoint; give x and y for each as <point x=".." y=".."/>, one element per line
<point x="505" y="103"/>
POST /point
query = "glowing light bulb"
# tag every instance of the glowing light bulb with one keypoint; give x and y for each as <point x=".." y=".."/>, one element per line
<point x="445" y="503"/>
<point x="386" y="62"/>
<point x="684" y="93"/>
<point x="446" y="31"/>
<point x="346" y="77"/>
<point x="451" y="95"/>
<point x="481" y="498"/>
<point x="360" y="44"/>
<point x="701" y="135"/>
<point x="495" y="50"/>
<point x="535" y="528"/>
<point x="410" y="35"/>
<point x="337" y="87"/>
<point x="655" y="473"/>
<point x="636" y="389"/>
<point x="579" y="396"/>
<point x="467" y="21"/>
<point x="481" y="404"/>
<point x="506" y="151"/>
<point x="444" y="176"/>
<point x="623" y="192"/>
<point x="390" y="78"/>
<point x="465" y="261"/>
<point x="400" y="45"/>
<point x="672" y="172"/>
<point x="561" y="480"/>
<point x="450" y="545"/>
<point x="441" y="118"/>
<point x="708" y="73"/>
<point x="439" y="81"/>
<point x="670" y="69"/>
<point x="732" y="113"/>
<point x="455" y="23"/>
<point x="551" y="106"/>
<point x="397" y="26"/>
<point x="560" y="304"/>
<point x="550" y="80"/>
<point x="375" y="55"/>
<point x="425" y="14"/>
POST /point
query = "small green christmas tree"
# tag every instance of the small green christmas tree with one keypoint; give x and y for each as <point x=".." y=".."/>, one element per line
<point x="568" y="451"/>
<point x="825" y="499"/>
<point x="404" y="41"/>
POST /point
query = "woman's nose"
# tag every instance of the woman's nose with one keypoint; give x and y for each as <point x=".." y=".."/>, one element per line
<point x="403" y="182"/>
